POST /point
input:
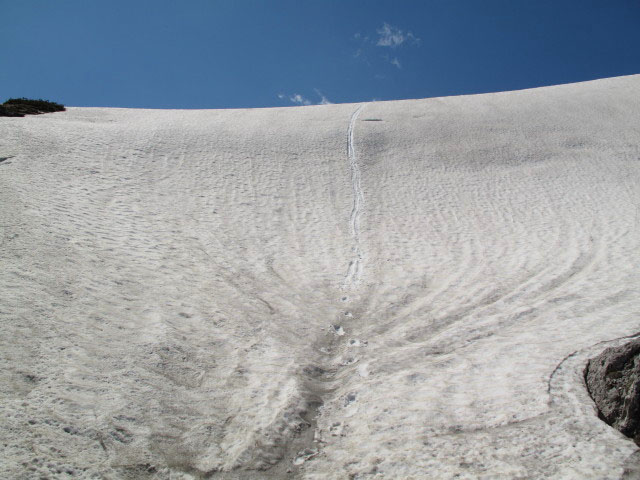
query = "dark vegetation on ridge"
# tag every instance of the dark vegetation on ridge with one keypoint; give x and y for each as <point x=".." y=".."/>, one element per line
<point x="19" y="107"/>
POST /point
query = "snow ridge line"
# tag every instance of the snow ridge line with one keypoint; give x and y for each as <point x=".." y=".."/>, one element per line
<point x="354" y="271"/>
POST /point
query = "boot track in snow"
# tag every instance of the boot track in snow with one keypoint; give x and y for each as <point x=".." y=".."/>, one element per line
<point x="354" y="272"/>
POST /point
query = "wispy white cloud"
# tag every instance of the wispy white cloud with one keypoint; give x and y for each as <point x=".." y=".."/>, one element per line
<point x="390" y="36"/>
<point x="323" y="100"/>
<point x="299" y="99"/>
<point x="392" y="60"/>
<point x="296" y="98"/>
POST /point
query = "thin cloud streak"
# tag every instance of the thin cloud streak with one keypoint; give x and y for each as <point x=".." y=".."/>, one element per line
<point x="298" y="99"/>
<point x="390" y="36"/>
<point x="323" y="100"/>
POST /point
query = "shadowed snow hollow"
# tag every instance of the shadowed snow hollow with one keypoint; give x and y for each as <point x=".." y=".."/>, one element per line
<point x="400" y="289"/>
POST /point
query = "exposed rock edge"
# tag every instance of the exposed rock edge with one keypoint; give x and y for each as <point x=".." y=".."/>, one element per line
<point x="613" y="381"/>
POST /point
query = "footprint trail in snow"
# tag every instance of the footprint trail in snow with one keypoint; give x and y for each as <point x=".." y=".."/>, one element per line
<point x="354" y="272"/>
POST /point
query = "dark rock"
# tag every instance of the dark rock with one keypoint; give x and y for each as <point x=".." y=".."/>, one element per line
<point x="613" y="381"/>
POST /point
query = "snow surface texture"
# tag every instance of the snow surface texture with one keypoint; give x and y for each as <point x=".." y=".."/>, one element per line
<point x="405" y="289"/>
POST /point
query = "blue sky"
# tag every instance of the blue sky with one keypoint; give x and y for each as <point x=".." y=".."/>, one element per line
<point x="250" y="53"/>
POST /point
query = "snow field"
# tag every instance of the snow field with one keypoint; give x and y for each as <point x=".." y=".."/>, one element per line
<point x="402" y="289"/>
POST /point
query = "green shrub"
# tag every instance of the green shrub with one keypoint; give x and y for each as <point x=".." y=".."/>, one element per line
<point x="7" y="112"/>
<point x="19" y="107"/>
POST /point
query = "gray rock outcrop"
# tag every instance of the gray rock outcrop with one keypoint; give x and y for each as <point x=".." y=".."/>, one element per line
<point x="613" y="381"/>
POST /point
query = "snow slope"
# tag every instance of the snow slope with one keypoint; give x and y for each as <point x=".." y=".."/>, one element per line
<point x="403" y="289"/>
